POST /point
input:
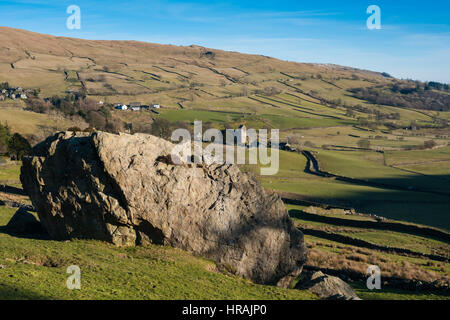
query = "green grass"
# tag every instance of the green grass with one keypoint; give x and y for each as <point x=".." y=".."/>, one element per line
<point x="393" y="294"/>
<point x="440" y="171"/>
<point x="27" y="122"/>
<point x="382" y="237"/>
<point x="417" y="207"/>
<point x="402" y="158"/>
<point x="342" y="257"/>
<point x="400" y="205"/>
<point x="206" y="116"/>
<point x="161" y="272"/>
<point x="370" y="166"/>
<point x="283" y="122"/>
<point x="398" y="240"/>
<point x="10" y="170"/>
<point x="36" y="269"/>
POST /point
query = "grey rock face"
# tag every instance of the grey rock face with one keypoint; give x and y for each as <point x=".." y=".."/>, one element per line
<point x="126" y="190"/>
<point x="327" y="287"/>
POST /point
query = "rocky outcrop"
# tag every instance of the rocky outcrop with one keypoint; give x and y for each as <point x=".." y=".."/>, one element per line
<point x="126" y="190"/>
<point x="326" y="286"/>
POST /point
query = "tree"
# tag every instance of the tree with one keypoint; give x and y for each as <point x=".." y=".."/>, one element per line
<point x="271" y="91"/>
<point x="3" y="147"/>
<point x="429" y="144"/>
<point x="161" y="128"/>
<point x="295" y="139"/>
<point x="5" y="135"/>
<point x="18" y="146"/>
<point x="115" y="125"/>
<point x="36" y="92"/>
<point x="96" y="120"/>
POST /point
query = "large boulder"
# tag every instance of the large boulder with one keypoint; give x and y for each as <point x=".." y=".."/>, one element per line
<point x="126" y="190"/>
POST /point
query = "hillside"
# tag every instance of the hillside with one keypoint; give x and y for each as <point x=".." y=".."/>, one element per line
<point x="366" y="178"/>
<point x="314" y="106"/>
<point x="146" y="70"/>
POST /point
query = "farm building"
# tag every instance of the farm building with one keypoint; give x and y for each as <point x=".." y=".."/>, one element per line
<point x="135" y="106"/>
<point x="122" y="107"/>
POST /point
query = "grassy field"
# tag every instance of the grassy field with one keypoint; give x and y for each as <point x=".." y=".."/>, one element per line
<point x="406" y="158"/>
<point x="27" y="122"/>
<point x="371" y="166"/>
<point x="10" y="170"/>
<point x="389" y="238"/>
<point x="397" y="179"/>
<point x="393" y="294"/>
<point x="205" y="116"/>
<point x="345" y="257"/>
<point x="407" y="205"/>
<point x="36" y="269"/>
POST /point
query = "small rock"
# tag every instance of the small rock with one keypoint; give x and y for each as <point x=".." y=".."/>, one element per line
<point x="327" y="287"/>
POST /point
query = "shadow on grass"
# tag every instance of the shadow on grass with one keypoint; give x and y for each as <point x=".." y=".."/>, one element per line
<point x="8" y="292"/>
<point x="387" y="293"/>
<point x="415" y="197"/>
<point x="380" y="225"/>
<point x="422" y="207"/>
<point x="13" y="190"/>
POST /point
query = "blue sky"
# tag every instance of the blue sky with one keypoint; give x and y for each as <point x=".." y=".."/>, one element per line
<point x="414" y="41"/>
